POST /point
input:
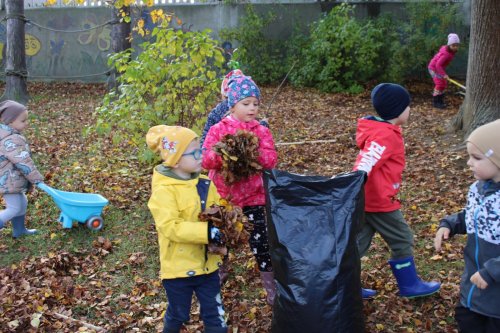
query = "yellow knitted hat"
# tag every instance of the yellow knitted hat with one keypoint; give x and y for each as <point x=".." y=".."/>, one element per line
<point x="487" y="139"/>
<point x="170" y="142"/>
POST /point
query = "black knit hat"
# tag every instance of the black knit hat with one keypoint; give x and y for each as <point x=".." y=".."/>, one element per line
<point x="390" y="100"/>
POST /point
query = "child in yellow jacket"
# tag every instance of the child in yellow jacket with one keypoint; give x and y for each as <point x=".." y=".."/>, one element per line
<point x="178" y="195"/>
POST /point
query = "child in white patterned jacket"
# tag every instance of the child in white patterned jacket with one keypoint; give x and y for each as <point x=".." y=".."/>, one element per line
<point x="479" y="308"/>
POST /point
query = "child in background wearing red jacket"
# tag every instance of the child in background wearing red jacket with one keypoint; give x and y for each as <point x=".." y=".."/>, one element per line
<point x="382" y="157"/>
<point x="243" y="98"/>
<point x="437" y="71"/>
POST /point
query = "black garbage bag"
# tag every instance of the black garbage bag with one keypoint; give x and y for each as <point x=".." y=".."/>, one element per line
<point x="312" y="227"/>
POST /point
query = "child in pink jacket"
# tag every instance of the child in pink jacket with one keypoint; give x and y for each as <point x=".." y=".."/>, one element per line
<point x="243" y="101"/>
<point x="437" y="71"/>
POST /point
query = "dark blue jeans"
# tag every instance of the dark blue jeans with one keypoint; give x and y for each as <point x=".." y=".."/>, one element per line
<point x="179" y="293"/>
<point x="473" y="322"/>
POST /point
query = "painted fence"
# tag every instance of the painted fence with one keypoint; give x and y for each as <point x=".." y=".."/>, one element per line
<point x="72" y="43"/>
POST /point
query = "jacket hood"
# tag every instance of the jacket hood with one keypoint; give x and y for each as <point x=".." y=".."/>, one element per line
<point x="6" y="130"/>
<point x="370" y="126"/>
<point x="160" y="179"/>
<point x="232" y="122"/>
<point x="446" y="49"/>
<point x="488" y="187"/>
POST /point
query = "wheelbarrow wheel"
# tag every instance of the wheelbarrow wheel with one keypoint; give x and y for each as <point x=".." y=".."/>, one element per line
<point x="95" y="223"/>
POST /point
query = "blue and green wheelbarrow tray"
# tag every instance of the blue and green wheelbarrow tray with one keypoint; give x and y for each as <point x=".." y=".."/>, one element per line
<point x="82" y="207"/>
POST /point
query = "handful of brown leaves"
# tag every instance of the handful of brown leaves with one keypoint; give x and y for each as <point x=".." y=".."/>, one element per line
<point x="240" y="154"/>
<point x="232" y="223"/>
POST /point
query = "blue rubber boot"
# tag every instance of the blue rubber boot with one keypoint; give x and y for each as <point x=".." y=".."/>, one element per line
<point x="368" y="293"/>
<point x="410" y="285"/>
<point x="18" y="227"/>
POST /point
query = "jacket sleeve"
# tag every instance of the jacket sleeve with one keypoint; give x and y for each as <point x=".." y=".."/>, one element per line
<point x="442" y="62"/>
<point x="208" y="125"/>
<point x="210" y="158"/>
<point x="168" y="222"/>
<point x="268" y="157"/>
<point x="491" y="271"/>
<point x="213" y="118"/>
<point x="454" y="222"/>
<point x="19" y="155"/>
<point x="373" y="155"/>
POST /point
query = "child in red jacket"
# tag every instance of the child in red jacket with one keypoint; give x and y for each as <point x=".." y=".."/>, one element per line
<point x="243" y="98"/>
<point x="382" y="157"/>
<point x="437" y="67"/>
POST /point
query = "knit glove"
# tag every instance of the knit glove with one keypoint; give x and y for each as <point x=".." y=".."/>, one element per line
<point x="215" y="236"/>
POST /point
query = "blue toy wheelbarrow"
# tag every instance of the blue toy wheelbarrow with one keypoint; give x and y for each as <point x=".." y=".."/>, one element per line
<point x="82" y="207"/>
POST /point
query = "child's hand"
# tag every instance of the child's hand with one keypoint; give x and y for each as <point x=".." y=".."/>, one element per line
<point x="215" y="236"/>
<point x="442" y="233"/>
<point x="478" y="280"/>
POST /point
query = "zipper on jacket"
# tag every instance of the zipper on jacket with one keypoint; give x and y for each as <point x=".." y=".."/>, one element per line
<point x="476" y="252"/>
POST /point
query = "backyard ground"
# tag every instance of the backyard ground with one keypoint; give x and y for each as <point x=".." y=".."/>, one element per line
<point x="77" y="280"/>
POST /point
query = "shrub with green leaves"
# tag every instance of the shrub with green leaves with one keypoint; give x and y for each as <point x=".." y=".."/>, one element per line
<point x="342" y="53"/>
<point x="173" y="81"/>
<point x="416" y="39"/>
<point x="259" y="56"/>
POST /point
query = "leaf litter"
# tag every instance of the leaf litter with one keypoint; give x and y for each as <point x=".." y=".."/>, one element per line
<point x="74" y="291"/>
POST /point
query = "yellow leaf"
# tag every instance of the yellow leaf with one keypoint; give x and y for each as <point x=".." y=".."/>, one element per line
<point x="250" y="264"/>
<point x="414" y="207"/>
<point x="238" y="226"/>
<point x="436" y="257"/>
<point x="379" y="327"/>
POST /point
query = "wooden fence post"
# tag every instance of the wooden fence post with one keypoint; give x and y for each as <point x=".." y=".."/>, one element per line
<point x="15" y="55"/>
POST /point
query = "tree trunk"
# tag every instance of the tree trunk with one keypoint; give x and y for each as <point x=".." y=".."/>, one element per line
<point x="15" y="55"/>
<point x="120" y="39"/>
<point x="482" y="98"/>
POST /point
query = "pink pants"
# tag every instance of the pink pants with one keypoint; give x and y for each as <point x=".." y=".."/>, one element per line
<point x="440" y="83"/>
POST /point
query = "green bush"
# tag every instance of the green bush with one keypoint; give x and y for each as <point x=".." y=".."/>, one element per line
<point x="341" y="54"/>
<point x="172" y="81"/>
<point x="259" y="56"/>
<point x="416" y="39"/>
